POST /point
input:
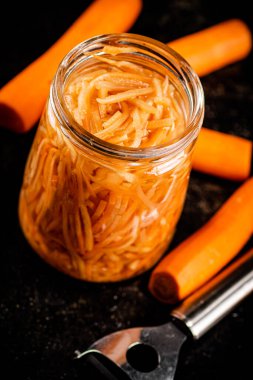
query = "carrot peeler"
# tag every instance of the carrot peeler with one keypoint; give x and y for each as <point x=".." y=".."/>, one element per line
<point x="151" y="353"/>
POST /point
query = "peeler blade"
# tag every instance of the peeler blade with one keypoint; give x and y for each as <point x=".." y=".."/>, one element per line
<point x="127" y="348"/>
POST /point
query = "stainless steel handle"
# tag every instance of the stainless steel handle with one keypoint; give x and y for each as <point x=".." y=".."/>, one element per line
<point x="218" y="297"/>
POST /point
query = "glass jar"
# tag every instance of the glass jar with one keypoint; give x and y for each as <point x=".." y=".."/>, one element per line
<point x="98" y="211"/>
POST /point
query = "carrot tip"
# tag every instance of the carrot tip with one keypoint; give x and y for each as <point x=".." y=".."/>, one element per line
<point x="164" y="288"/>
<point x="10" y="119"/>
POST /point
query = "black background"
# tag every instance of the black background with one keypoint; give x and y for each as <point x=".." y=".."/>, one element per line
<point x="44" y="315"/>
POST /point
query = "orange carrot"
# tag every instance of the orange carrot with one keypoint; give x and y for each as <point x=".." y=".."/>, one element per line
<point x="207" y="251"/>
<point x="22" y="99"/>
<point x="215" y="47"/>
<point x="208" y="50"/>
<point x="222" y="155"/>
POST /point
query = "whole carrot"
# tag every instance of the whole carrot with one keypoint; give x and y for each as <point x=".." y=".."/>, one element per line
<point x="22" y="99"/>
<point x="215" y="47"/>
<point x="207" y="251"/>
<point x="222" y="155"/>
<point x="218" y="153"/>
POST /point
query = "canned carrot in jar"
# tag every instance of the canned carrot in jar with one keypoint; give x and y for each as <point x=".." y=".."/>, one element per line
<point x="107" y="174"/>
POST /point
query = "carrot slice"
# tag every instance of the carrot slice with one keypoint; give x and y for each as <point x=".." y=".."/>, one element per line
<point x="207" y="251"/>
<point x="22" y="99"/>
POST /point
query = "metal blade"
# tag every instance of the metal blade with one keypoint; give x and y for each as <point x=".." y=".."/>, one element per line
<point x="166" y="340"/>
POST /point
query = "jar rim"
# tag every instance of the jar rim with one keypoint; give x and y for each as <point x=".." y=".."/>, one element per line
<point x="185" y="74"/>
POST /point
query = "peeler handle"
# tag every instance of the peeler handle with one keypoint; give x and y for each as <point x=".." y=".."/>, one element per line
<point x="217" y="298"/>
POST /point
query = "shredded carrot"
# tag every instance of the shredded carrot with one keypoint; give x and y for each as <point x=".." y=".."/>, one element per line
<point x="129" y="94"/>
<point x="134" y="112"/>
<point x="101" y="220"/>
<point x="207" y="251"/>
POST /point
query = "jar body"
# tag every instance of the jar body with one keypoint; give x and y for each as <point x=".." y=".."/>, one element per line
<point x="100" y="212"/>
<point x="98" y="220"/>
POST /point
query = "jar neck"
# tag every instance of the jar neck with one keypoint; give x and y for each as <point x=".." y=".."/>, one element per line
<point x="156" y="56"/>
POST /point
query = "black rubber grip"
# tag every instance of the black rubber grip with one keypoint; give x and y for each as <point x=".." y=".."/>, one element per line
<point x="97" y="366"/>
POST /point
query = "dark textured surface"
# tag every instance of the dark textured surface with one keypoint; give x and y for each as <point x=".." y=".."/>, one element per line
<point x="46" y="316"/>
